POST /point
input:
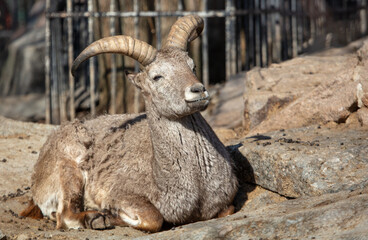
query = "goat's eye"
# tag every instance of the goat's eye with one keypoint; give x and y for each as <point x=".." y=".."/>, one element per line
<point x="157" y="77"/>
<point x="194" y="69"/>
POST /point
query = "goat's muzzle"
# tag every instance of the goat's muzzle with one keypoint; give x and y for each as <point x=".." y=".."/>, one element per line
<point x="197" y="96"/>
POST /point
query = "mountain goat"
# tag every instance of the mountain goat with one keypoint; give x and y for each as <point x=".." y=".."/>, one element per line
<point x="139" y="169"/>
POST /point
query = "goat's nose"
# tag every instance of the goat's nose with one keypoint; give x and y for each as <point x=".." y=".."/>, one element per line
<point x="197" y="88"/>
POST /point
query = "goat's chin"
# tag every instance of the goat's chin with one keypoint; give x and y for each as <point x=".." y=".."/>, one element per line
<point x="198" y="106"/>
<point x="183" y="110"/>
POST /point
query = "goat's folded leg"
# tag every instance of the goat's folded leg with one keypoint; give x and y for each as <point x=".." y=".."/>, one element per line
<point x="85" y="219"/>
<point x="70" y="212"/>
<point x="138" y="213"/>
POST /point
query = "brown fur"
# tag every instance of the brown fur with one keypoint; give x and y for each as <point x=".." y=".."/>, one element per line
<point x="32" y="211"/>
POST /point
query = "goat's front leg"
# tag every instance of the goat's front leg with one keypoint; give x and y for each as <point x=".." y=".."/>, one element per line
<point x="70" y="212"/>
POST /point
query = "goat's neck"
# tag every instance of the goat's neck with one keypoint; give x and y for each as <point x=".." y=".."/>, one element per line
<point x="183" y="145"/>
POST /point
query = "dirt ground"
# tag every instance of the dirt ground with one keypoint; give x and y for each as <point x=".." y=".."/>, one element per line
<point x="14" y="227"/>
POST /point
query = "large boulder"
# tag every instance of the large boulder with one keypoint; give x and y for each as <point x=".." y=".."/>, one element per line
<point x="306" y="161"/>
<point x="306" y="90"/>
<point x="228" y="104"/>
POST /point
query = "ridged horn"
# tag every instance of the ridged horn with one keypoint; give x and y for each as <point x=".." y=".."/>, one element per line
<point x="136" y="49"/>
<point x="184" y="30"/>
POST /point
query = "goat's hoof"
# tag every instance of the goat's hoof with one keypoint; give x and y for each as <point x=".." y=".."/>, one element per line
<point x="98" y="221"/>
<point x="226" y="212"/>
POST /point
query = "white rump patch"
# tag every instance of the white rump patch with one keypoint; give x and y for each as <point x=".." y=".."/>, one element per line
<point x="49" y="206"/>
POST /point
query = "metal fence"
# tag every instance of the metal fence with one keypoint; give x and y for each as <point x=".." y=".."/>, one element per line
<point x="242" y="34"/>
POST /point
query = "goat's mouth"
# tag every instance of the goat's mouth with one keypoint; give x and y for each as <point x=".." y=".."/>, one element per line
<point x="197" y="97"/>
<point x="198" y="100"/>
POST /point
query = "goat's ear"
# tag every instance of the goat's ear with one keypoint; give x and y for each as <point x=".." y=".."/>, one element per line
<point x="133" y="78"/>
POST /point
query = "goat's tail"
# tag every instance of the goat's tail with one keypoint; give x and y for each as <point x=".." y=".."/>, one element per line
<point x="32" y="211"/>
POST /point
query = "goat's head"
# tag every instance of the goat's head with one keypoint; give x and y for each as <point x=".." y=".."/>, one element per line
<point x="167" y="80"/>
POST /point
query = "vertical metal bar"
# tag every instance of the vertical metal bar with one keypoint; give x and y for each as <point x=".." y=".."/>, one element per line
<point x="294" y="35"/>
<point x="227" y="42"/>
<point x="269" y="18"/>
<point x="136" y="66"/>
<point x="70" y="61"/>
<point x="366" y="16"/>
<point x="205" y="65"/>
<point x="263" y="32"/>
<point x="91" y="62"/>
<point x="230" y="39"/>
<point x="363" y="17"/>
<point x="312" y="23"/>
<point x="55" y="71"/>
<point x="233" y="38"/>
<point x="158" y="24"/>
<point x="240" y="38"/>
<point x="278" y="32"/>
<point x="61" y="77"/>
<point x="250" y="45"/>
<point x="113" y="63"/>
<point x="299" y="24"/>
<point x="48" y="111"/>
<point x="247" y="36"/>
<point x="287" y="30"/>
<point x="257" y="34"/>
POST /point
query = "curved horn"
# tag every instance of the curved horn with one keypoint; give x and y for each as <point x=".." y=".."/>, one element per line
<point x="184" y="30"/>
<point x="136" y="49"/>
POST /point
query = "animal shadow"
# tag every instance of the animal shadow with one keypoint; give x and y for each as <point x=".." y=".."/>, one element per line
<point x="244" y="173"/>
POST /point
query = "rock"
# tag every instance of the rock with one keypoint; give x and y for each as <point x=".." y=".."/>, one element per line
<point x="342" y="215"/>
<point x="365" y="100"/>
<point x="257" y="108"/>
<point x="229" y="106"/>
<point x="251" y="197"/>
<point x="334" y="102"/>
<point x="363" y="116"/>
<point x="306" y="161"/>
<point x="225" y="134"/>
<point x="23" y="237"/>
<point x="2" y="236"/>
<point x="270" y="89"/>
<point x="305" y="91"/>
<point x="353" y="120"/>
